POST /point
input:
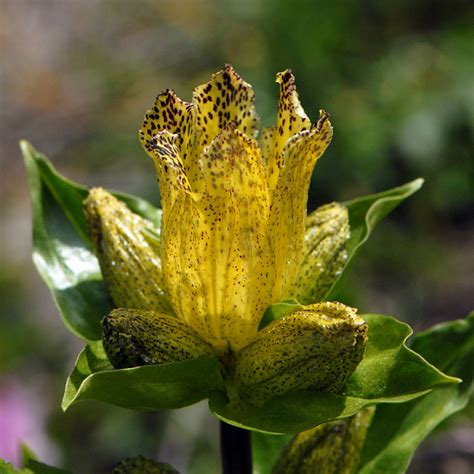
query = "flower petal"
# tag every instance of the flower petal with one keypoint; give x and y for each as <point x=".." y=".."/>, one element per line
<point x="221" y="277"/>
<point x="235" y="176"/>
<point x="327" y="231"/>
<point x="177" y="117"/>
<point x="181" y="263"/>
<point x="224" y="99"/>
<point x="183" y="267"/>
<point x="172" y="177"/>
<point x="130" y="262"/>
<point x="232" y="167"/>
<point x="290" y="198"/>
<point x="169" y="113"/>
<point x="291" y="120"/>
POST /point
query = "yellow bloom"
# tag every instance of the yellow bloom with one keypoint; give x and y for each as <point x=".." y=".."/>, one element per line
<point x="234" y="208"/>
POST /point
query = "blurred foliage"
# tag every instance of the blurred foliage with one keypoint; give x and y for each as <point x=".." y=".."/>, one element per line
<point x="397" y="78"/>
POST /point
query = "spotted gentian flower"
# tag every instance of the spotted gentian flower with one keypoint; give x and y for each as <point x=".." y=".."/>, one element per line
<point x="235" y="238"/>
<point x="234" y="208"/>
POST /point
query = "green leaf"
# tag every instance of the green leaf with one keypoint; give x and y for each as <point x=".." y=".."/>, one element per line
<point x="27" y="454"/>
<point x="37" y="467"/>
<point x="265" y="451"/>
<point x="61" y="247"/>
<point x="7" y="468"/>
<point x="150" y="387"/>
<point x="397" y="430"/>
<point x="389" y="373"/>
<point x="31" y="467"/>
<point x="365" y="213"/>
<point x="278" y="310"/>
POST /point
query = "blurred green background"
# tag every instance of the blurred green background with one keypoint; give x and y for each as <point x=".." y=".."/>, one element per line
<point x="76" y="78"/>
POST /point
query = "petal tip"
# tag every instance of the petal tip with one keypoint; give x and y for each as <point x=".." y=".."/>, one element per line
<point x="167" y="113"/>
<point x="289" y="105"/>
<point x="285" y="77"/>
<point x="324" y="118"/>
<point x="155" y="141"/>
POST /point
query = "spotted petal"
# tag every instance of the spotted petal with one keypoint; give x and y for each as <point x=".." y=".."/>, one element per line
<point x="172" y="177"/>
<point x="291" y="120"/>
<point x="218" y="258"/>
<point x="225" y="99"/>
<point x="169" y="113"/>
<point x="290" y="199"/>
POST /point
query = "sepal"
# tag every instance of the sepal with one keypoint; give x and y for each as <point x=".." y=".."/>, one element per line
<point x="62" y="248"/>
<point x="389" y="373"/>
<point x="135" y="337"/>
<point x="317" y="347"/>
<point x="141" y="465"/>
<point x="129" y="259"/>
<point x="331" y="448"/>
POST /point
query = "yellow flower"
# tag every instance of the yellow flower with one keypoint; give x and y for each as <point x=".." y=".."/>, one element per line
<point x="234" y="208"/>
<point x="234" y="239"/>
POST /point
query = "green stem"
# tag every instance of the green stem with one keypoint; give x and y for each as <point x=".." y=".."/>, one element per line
<point x="236" y="450"/>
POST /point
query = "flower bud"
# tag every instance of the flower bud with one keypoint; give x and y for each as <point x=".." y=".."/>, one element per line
<point x="141" y="465"/>
<point x="327" y="232"/>
<point x="136" y="337"/>
<point x="129" y="260"/>
<point x="318" y="347"/>
<point x="330" y="448"/>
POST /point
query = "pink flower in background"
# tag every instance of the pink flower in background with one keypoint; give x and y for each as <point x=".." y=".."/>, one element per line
<point x="22" y="422"/>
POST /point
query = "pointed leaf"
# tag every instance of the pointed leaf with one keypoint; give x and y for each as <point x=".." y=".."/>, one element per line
<point x="389" y="373"/>
<point x="27" y="454"/>
<point x="397" y="430"/>
<point x="365" y="213"/>
<point x="150" y="387"/>
<point x="7" y="468"/>
<point x="30" y="467"/>
<point x="61" y="247"/>
<point x="71" y="195"/>
<point x="37" y="467"/>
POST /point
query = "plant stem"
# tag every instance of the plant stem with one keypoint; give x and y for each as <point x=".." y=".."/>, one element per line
<point x="236" y="450"/>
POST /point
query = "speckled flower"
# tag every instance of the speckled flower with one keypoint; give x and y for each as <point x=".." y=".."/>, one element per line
<point x="234" y="239"/>
<point x="234" y="208"/>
